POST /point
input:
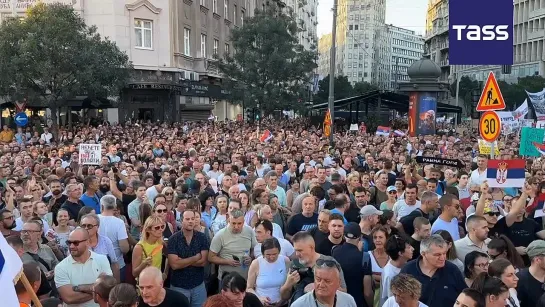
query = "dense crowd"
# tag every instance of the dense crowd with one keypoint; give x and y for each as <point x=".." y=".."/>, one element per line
<point x="209" y="214"/>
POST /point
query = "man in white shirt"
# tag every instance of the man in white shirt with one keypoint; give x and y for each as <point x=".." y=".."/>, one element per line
<point x="408" y="204"/>
<point x="46" y="136"/>
<point x="263" y="231"/>
<point x="114" y="228"/>
<point x="479" y="175"/>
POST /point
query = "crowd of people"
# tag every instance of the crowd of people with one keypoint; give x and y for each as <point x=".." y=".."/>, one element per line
<point x="207" y="214"/>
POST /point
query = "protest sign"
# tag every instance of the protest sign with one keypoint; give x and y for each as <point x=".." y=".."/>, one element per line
<point x="439" y="161"/>
<point x="90" y="154"/>
<point x="529" y="136"/>
<point x="484" y="147"/>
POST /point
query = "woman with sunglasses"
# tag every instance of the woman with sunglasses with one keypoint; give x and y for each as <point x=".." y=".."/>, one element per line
<point x="392" y="199"/>
<point x="504" y="270"/>
<point x="502" y="248"/>
<point x="149" y="250"/>
<point x="475" y="263"/>
<point x="170" y="202"/>
<point x="161" y="211"/>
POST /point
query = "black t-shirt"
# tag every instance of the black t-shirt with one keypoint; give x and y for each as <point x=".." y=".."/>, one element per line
<point x="326" y="246"/>
<point x="73" y="208"/>
<point x="353" y="213"/>
<point x="351" y="260"/>
<point x="318" y="235"/>
<point x="416" y="245"/>
<point x="172" y="299"/>
<point x="299" y="222"/>
<point x="250" y="300"/>
<point x="520" y="233"/>
<point x="126" y="199"/>
<point x="368" y="244"/>
<point x="56" y="206"/>
<point x="529" y="289"/>
<point x="408" y="220"/>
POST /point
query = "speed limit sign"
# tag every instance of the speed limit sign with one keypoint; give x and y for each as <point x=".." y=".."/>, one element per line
<point x="490" y="126"/>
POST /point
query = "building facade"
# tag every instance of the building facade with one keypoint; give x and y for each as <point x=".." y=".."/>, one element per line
<point x="305" y="13"/>
<point x="436" y="44"/>
<point x="324" y="55"/>
<point x="404" y="48"/>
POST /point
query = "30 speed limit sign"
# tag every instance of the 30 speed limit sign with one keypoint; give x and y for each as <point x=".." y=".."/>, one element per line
<point x="490" y="126"/>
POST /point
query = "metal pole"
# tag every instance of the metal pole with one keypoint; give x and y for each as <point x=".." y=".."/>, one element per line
<point x="395" y="74"/>
<point x="457" y="99"/>
<point x="332" y="54"/>
<point x="492" y="150"/>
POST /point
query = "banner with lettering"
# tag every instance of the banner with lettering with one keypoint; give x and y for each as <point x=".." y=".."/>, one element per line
<point x="509" y="123"/>
<point x="538" y="102"/>
<point x="90" y="154"/>
<point x="485" y="147"/>
<point x="521" y="111"/>
<point x="529" y="136"/>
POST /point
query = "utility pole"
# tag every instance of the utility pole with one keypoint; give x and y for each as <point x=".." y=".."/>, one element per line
<point x="331" y="98"/>
<point x="395" y="73"/>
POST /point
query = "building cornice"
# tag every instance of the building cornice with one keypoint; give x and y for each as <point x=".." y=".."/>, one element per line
<point x="134" y="6"/>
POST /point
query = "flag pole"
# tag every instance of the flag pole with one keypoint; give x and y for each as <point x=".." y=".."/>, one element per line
<point x="30" y="291"/>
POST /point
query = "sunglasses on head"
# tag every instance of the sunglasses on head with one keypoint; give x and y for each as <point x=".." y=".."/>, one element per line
<point x="75" y="242"/>
<point x="326" y="263"/>
<point x="161" y="210"/>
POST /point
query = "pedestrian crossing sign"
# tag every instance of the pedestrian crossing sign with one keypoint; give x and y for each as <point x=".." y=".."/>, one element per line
<point x="491" y="98"/>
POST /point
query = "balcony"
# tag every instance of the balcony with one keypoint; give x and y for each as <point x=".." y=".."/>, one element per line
<point x="536" y="13"/>
<point x="444" y="63"/>
<point x="207" y="67"/>
<point x="539" y="34"/>
<point x="444" y="45"/>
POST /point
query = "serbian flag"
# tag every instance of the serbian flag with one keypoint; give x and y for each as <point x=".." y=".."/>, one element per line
<point x="506" y="173"/>
<point x="384" y="131"/>
<point x="540" y="148"/>
<point x="10" y="268"/>
<point x="267" y="135"/>
<point x="399" y="133"/>
<point x="327" y="124"/>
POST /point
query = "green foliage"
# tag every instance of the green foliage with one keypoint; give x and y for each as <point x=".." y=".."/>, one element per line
<point x="52" y="56"/>
<point x="363" y="87"/>
<point x="269" y="67"/>
<point x="343" y="89"/>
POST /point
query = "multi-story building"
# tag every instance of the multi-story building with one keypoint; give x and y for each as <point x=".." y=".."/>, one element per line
<point x="324" y="55"/>
<point x="404" y="48"/>
<point x="305" y="14"/>
<point x="436" y="44"/>
<point x="528" y="40"/>
<point x="361" y="42"/>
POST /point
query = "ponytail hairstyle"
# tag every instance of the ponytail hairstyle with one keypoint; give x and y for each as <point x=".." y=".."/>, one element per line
<point x="502" y="244"/>
<point x="123" y="295"/>
<point x="489" y="286"/>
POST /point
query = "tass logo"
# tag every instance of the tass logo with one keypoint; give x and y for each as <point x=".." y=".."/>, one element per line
<point x="484" y="33"/>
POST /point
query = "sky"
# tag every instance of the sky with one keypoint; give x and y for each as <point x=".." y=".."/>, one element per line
<point x="409" y="14"/>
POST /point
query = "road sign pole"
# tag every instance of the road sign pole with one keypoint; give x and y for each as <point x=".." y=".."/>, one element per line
<point x="492" y="150"/>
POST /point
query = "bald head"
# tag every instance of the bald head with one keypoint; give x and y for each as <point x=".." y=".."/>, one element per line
<point x="151" y="273"/>
<point x="79" y="234"/>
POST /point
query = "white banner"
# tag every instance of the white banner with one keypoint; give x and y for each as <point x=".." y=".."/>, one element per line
<point x="521" y="111"/>
<point x="509" y="124"/>
<point x="538" y="101"/>
<point x="527" y="122"/>
<point x="90" y="154"/>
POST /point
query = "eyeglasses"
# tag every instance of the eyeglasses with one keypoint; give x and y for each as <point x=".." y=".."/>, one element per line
<point x="482" y="265"/>
<point x="75" y="242"/>
<point x="493" y="256"/>
<point x="169" y="194"/>
<point x="88" y="226"/>
<point x="493" y="213"/>
<point x="508" y="199"/>
<point x="158" y="227"/>
<point x="327" y="263"/>
<point x="392" y="192"/>
<point x="161" y="210"/>
<point x="30" y="231"/>
<point x="35" y="190"/>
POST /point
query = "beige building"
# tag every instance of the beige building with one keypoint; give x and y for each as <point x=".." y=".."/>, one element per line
<point x="324" y="55"/>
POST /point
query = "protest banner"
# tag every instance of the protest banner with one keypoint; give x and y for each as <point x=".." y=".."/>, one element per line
<point x="484" y="147"/>
<point x="529" y="136"/>
<point x="90" y="154"/>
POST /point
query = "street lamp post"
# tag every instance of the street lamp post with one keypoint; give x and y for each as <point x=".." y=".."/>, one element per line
<point x="331" y="98"/>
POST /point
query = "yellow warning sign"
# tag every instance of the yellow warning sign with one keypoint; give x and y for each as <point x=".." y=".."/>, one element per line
<point x="491" y="98"/>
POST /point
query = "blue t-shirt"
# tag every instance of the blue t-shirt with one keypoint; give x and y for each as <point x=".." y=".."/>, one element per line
<point x="339" y="212"/>
<point x="93" y="202"/>
<point x="451" y="227"/>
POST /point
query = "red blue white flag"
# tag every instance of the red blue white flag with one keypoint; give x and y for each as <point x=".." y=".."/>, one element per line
<point x="506" y="173"/>
<point x="383" y="131"/>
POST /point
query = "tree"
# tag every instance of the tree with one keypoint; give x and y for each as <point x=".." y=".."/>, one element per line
<point x="466" y="87"/>
<point x="52" y="56"/>
<point x="363" y="87"/>
<point x="343" y="89"/>
<point x="269" y="67"/>
<point x="513" y="94"/>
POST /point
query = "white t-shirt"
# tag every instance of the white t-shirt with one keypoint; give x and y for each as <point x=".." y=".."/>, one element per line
<point x="114" y="228"/>
<point x="388" y="272"/>
<point x="391" y="302"/>
<point x="401" y="208"/>
<point x="451" y="227"/>
<point x="19" y="225"/>
<point x="286" y="248"/>
<point x="476" y="177"/>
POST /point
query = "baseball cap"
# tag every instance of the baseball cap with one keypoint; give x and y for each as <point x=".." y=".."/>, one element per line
<point x="391" y="188"/>
<point x="536" y="248"/>
<point x="352" y="230"/>
<point x="369" y="210"/>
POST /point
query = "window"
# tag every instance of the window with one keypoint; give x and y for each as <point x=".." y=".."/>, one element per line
<point x="203" y="45"/>
<point x="216" y="44"/>
<point x="143" y="32"/>
<point x="187" y="47"/>
<point x="203" y="3"/>
<point x="226" y="48"/>
<point x="215" y="6"/>
<point x="241" y="18"/>
<point x="226" y="9"/>
<point x="234" y="14"/>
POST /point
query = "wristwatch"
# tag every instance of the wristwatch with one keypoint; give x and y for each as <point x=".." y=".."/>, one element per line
<point x="75" y="289"/>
